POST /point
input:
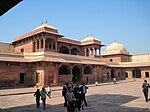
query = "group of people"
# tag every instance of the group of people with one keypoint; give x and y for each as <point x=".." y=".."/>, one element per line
<point x="42" y="95"/>
<point x="74" y="96"/>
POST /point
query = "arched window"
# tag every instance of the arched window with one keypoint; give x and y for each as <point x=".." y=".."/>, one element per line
<point x="34" y="46"/>
<point x="64" y="50"/>
<point x="74" y="51"/>
<point x="87" y="70"/>
<point x="42" y="43"/>
<point x="54" y="45"/>
<point x="38" y="44"/>
<point x="111" y="60"/>
<point x="63" y="70"/>
<point x="48" y="43"/>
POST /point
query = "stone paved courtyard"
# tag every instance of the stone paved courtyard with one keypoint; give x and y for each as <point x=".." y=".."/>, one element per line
<point x="126" y="96"/>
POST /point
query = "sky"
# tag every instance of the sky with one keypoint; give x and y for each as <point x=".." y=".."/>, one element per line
<point x="124" y="21"/>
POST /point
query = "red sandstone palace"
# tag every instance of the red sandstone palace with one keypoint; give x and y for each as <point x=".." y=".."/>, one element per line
<point x="43" y="57"/>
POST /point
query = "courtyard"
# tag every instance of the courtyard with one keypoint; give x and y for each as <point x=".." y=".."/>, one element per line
<point x="125" y="96"/>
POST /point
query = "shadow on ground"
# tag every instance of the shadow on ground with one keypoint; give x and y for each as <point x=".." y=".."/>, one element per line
<point x="96" y="103"/>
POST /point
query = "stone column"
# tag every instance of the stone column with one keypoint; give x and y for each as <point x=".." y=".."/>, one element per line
<point x="52" y="45"/>
<point x="89" y="51"/>
<point x="56" y="74"/>
<point x="93" y="51"/>
<point x="99" y="51"/>
<point x="56" y="46"/>
<point x="44" y="44"/>
<point x="84" y="52"/>
<point x="35" y="45"/>
<point x="39" y="44"/>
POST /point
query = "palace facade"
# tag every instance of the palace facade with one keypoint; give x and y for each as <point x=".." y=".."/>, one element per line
<point x="44" y="57"/>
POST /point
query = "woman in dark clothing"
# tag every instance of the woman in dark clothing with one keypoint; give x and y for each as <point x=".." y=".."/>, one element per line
<point x="37" y="95"/>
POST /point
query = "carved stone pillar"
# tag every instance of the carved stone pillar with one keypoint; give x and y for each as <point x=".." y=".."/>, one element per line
<point x="55" y="81"/>
<point x="99" y="51"/>
<point x="70" y="51"/>
<point x="93" y="51"/>
<point x="39" y="44"/>
<point x="88" y="51"/>
<point x="44" y="44"/>
<point x="84" y="52"/>
<point x="35" y="45"/>
<point x="56" y="46"/>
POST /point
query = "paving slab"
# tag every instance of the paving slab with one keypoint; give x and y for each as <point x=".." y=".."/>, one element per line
<point x="125" y="96"/>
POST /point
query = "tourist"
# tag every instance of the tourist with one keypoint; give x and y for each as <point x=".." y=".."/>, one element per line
<point x="37" y="95"/>
<point x="43" y="97"/>
<point x="114" y="79"/>
<point x="83" y="89"/>
<point x="49" y="91"/>
<point x="70" y="100"/>
<point x="145" y="87"/>
<point x="64" y="91"/>
<point x="78" y="97"/>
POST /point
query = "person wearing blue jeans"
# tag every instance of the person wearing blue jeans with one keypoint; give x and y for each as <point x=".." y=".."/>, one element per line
<point x="43" y="97"/>
<point x="83" y="92"/>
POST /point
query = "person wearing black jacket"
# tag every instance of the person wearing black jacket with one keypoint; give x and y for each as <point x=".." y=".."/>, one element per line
<point x="64" y="92"/>
<point x="78" y="97"/>
<point x="37" y="94"/>
<point x="145" y="87"/>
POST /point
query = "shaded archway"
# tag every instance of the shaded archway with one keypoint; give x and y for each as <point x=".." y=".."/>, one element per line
<point x="74" y="51"/>
<point x="63" y="70"/>
<point x="112" y="73"/>
<point x="64" y="50"/>
<point x="76" y="74"/>
<point x="136" y="73"/>
<point x="87" y="70"/>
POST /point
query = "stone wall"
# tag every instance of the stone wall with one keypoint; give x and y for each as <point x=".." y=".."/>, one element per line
<point x="28" y="47"/>
<point x="117" y="58"/>
<point x="10" y="74"/>
<point x="5" y="47"/>
<point x="141" y="58"/>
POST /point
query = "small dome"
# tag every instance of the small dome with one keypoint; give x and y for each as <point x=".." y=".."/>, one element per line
<point x="115" y="48"/>
<point x="90" y="37"/>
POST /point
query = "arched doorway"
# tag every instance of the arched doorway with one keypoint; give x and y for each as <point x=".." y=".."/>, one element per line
<point x="112" y="73"/>
<point x="63" y="70"/>
<point x="136" y="73"/>
<point x="76" y="74"/>
<point x="87" y="70"/>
